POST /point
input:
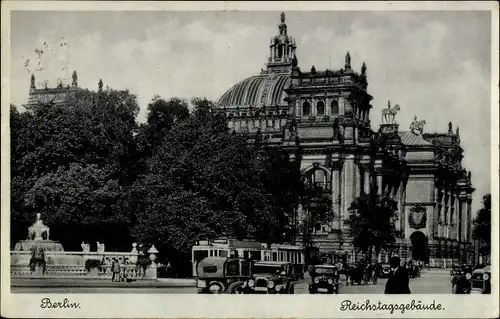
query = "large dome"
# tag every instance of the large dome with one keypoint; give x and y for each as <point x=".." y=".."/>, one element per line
<point x="257" y="91"/>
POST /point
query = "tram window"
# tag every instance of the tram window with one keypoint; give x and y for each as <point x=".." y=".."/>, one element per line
<point x="267" y="256"/>
<point x="216" y="253"/>
<point x="275" y="256"/>
<point x="246" y="254"/>
<point x="211" y="253"/>
<point x="210" y="269"/>
<point x="222" y="253"/>
<point x="288" y="257"/>
<point x="245" y="268"/>
<point x="200" y="254"/>
<point x="255" y="255"/>
<point x="232" y="268"/>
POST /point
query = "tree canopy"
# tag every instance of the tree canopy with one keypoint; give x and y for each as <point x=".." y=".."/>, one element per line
<point x="482" y="226"/>
<point x="371" y="222"/>
<point x="95" y="174"/>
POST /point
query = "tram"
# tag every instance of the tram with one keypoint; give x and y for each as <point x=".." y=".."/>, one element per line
<point x="248" y="249"/>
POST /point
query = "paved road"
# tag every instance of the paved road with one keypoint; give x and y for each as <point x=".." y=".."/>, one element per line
<point x="431" y="282"/>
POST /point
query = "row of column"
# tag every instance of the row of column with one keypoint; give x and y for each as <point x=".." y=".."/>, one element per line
<point x="286" y="52"/>
<point x="332" y="107"/>
<point x="349" y="180"/>
<point x="256" y="124"/>
<point x="451" y="215"/>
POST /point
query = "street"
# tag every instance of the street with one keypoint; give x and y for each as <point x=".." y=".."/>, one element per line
<point x="434" y="281"/>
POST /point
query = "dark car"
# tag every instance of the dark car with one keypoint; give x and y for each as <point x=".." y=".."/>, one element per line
<point x="481" y="281"/>
<point x="217" y="275"/>
<point x="385" y="271"/>
<point x="271" y="277"/>
<point x="324" y="279"/>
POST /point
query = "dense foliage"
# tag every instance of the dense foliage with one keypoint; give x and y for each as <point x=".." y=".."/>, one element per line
<point x="96" y="175"/>
<point x="482" y="226"/>
<point x="371" y="222"/>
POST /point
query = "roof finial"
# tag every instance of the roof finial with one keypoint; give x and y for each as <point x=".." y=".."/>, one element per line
<point x="75" y="79"/>
<point x="347" y="61"/>
<point x="450" y="128"/>
<point x="32" y="85"/>
<point x="458" y="131"/>
<point x="100" y="85"/>
<point x="282" y="17"/>
<point x="363" y="69"/>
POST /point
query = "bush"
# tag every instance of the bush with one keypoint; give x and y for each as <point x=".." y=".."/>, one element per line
<point x="92" y="263"/>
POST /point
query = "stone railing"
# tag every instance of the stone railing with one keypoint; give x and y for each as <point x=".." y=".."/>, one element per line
<point x="73" y="264"/>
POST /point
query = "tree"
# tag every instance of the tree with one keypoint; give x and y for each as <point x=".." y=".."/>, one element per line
<point x="81" y="203"/>
<point x="93" y="132"/>
<point x="203" y="182"/>
<point x="482" y="226"/>
<point x="371" y="223"/>
<point x="161" y="117"/>
<point x="317" y="209"/>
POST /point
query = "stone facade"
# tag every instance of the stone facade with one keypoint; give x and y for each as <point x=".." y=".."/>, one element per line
<point x="322" y="118"/>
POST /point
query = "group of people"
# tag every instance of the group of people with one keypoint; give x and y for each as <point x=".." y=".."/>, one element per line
<point x="399" y="277"/>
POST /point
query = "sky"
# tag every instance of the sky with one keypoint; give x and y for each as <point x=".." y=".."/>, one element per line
<point x="435" y="64"/>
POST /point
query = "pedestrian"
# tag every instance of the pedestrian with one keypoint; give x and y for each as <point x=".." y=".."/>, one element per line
<point x="115" y="267"/>
<point x="168" y="269"/>
<point x="399" y="280"/>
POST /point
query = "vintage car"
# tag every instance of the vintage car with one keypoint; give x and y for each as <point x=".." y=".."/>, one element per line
<point x="385" y="270"/>
<point x="324" y="279"/>
<point x="217" y="275"/>
<point x="460" y="270"/>
<point x="481" y="281"/>
<point x="270" y="277"/>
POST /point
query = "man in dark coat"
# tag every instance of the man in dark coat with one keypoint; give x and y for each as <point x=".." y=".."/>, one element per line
<point x="399" y="280"/>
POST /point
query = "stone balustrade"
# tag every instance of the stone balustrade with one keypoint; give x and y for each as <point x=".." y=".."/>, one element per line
<point x="72" y="264"/>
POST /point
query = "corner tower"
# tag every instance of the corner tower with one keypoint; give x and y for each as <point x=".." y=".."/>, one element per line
<point x="282" y="49"/>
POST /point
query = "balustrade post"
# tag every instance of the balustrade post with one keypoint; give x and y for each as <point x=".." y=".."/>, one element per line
<point x="152" y="270"/>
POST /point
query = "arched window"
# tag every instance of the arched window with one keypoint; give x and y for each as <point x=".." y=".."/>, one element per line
<point x="317" y="177"/>
<point x="320" y="108"/>
<point x="334" y="107"/>
<point x="306" y="109"/>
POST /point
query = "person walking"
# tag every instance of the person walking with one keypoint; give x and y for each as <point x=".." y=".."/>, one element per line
<point x="115" y="267"/>
<point x="399" y="280"/>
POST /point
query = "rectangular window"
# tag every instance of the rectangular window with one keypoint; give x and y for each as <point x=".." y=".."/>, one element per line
<point x="275" y="256"/>
<point x="200" y="254"/>
<point x="222" y="253"/>
<point x="245" y="268"/>
<point x="210" y="269"/>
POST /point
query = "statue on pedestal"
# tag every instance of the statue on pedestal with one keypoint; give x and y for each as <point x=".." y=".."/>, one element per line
<point x="417" y="127"/>
<point x="85" y="247"/>
<point x="389" y="113"/>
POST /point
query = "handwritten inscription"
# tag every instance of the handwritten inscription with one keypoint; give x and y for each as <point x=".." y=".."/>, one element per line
<point x="48" y="303"/>
<point x="348" y="305"/>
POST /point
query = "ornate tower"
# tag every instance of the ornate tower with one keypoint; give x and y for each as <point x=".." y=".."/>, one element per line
<point x="281" y="50"/>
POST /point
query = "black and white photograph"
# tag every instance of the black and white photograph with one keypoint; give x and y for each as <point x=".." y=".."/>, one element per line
<point x="157" y="152"/>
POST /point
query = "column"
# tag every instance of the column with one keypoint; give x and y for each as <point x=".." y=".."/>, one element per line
<point x="357" y="180"/>
<point x="366" y="180"/>
<point x="270" y="53"/>
<point x="380" y="185"/>
<point x="469" y="218"/>
<point x="337" y="223"/>
<point x="435" y="219"/>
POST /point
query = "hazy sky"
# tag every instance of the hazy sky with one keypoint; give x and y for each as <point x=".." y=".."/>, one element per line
<point x="436" y="65"/>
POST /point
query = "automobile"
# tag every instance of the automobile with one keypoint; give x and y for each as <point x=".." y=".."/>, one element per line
<point x="481" y="281"/>
<point x="385" y="271"/>
<point x="324" y="279"/>
<point x="217" y="275"/>
<point x="271" y="277"/>
<point x="460" y="270"/>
